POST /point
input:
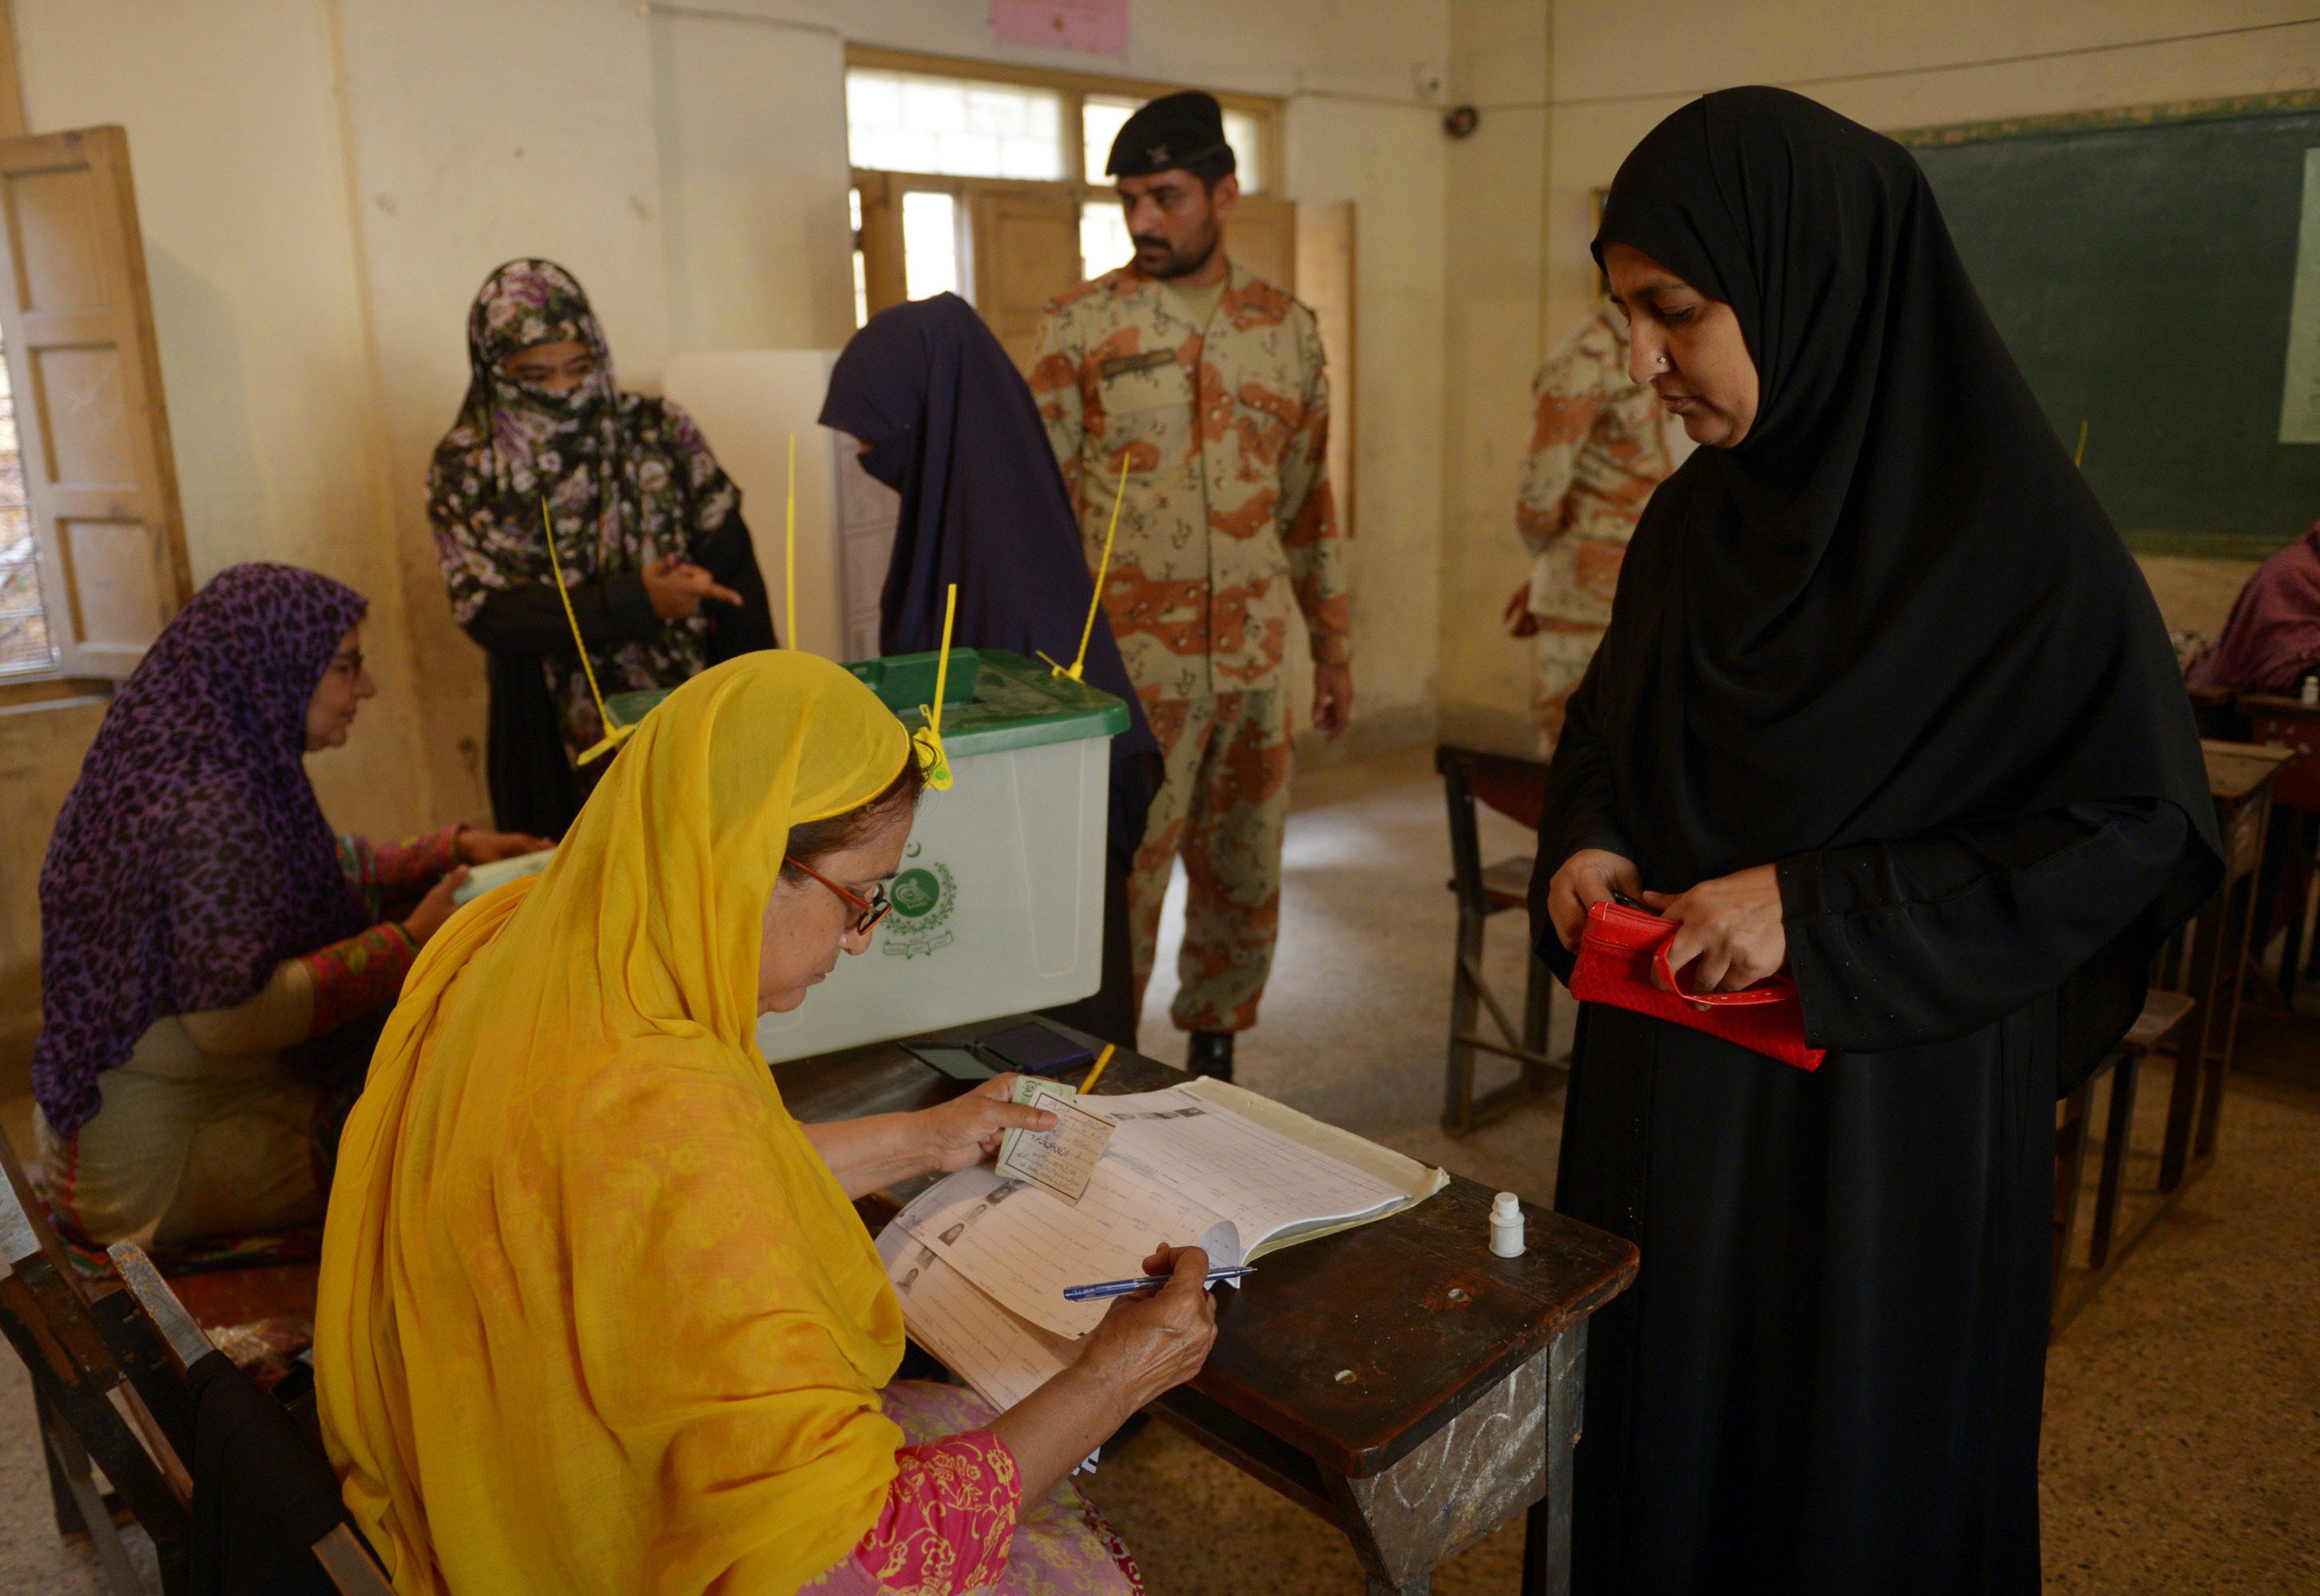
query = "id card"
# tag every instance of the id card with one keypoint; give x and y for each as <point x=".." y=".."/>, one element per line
<point x="1061" y="1161"/>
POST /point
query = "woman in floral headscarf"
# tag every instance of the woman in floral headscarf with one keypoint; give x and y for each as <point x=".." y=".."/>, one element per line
<point x="662" y="578"/>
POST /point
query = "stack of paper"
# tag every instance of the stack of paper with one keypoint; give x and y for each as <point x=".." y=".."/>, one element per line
<point x="980" y="1262"/>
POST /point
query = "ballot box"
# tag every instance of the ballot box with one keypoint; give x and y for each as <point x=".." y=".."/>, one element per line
<point x="999" y="904"/>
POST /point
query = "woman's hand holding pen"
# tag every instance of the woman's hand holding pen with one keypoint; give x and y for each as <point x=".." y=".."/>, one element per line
<point x="677" y="587"/>
<point x="1732" y="925"/>
<point x="1587" y="878"/>
<point x="1146" y="1345"/>
<point x="1153" y="1342"/>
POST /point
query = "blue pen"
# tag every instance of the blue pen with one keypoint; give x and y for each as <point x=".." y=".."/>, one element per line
<point x="1150" y="1282"/>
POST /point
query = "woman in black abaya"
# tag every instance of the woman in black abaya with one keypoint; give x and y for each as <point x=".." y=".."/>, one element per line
<point x="948" y="422"/>
<point x="1884" y="702"/>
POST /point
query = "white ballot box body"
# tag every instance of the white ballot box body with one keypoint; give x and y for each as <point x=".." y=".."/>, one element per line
<point x="999" y="903"/>
<point x="998" y="907"/>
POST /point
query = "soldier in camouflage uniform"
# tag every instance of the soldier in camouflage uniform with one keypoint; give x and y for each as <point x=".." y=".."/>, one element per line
<point x="1207" y="384"/>
<point x="1598" y="446"/>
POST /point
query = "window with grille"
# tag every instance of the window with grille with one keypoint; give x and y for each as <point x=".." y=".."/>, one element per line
<point x="24" y="645"/>
<point x="940" y="133"/>
<point x="910" y="122"/>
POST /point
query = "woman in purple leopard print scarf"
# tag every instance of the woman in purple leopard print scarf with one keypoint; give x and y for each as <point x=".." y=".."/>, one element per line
<point x="191" y="857"/>
<point x="214" y="958"/>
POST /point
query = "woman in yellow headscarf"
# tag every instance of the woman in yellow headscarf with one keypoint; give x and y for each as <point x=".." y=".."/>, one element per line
<point x="596" y="1312"/>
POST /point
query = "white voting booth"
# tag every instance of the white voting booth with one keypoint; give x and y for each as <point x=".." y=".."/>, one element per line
<point x="748" y="404"/>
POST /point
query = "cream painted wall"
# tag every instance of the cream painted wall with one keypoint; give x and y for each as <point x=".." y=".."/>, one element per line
<point x="41" y="749"/>
<point x="1494" y="335"/>
<point x="1389" y="161"/>
<point x="233" y="138"/>
<point x="759" y="251"/>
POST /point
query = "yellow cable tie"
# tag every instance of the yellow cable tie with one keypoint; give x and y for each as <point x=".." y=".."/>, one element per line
<point x="614" y="733"/>
<point x="929" y="735"/>
<point x="1102" y="569"/>
<point x="2080" y="459"/>
<point x="789" y="554"/>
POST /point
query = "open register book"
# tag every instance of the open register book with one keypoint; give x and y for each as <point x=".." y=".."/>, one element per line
<point x="980" y="1263"/>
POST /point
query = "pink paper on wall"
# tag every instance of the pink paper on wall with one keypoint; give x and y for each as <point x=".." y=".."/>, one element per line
<point x="1097" y="27"/>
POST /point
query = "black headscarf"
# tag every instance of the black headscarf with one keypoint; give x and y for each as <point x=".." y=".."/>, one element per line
<point x="953" y="427"/>
<point x="1895" y="606"/>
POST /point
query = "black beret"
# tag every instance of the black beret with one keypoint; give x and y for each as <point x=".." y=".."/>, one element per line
<point x="1183" y="132"/>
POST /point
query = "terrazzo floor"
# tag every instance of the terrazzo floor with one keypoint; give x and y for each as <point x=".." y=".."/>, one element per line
<point x="2182" y="1429"/>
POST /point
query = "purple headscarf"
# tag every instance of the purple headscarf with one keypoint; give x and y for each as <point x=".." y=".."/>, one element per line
<point x="2273" y="636"/>
<point x="191" y="856"/>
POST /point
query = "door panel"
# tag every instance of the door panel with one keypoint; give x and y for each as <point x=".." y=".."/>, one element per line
<point x="1262" y="237"/>
<point x="1325" y="281"/>
<point x="99" y="478"/>
<point x="1027" y="250"/>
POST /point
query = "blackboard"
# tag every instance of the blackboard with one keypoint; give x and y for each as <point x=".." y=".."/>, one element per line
<point x="2140" y="265"/>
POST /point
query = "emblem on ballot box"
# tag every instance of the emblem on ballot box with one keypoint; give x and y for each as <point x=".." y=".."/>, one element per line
<point x="923" y="895"/>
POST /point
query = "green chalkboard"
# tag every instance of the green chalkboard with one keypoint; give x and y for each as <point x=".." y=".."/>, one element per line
<point x="2140" y="265"/>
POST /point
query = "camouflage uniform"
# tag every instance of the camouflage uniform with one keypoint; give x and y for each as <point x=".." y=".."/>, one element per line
<point x="1597" y="449"/>
<point x="1226" y="519"/>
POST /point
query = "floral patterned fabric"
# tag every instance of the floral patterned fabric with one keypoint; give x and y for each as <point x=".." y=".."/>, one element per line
<point x="353" y="976"/>
<point x="390" y="876"/>
<point x="626" y="477"/>
<point x="954" y="1521"/>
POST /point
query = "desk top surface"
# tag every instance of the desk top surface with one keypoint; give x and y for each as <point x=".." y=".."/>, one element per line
<point x="2236" y="769"/>
<point x="1414" y="1309"/>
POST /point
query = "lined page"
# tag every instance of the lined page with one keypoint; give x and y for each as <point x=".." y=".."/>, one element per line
<point x="1022" y="1246"/>
<point x="1259" y="1179"/>
<point x="1002" y="1358"/>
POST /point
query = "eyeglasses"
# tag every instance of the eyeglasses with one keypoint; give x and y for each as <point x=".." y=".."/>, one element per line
<point x="870" y="911"/>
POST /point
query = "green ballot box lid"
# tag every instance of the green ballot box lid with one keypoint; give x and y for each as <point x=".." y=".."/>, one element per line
<point x="993" y="701"/>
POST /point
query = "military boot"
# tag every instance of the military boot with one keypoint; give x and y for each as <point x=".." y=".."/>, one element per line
<point x="1211" y="1054"/>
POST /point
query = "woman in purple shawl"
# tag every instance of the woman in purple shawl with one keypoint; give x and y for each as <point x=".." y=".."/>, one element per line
<point x="2273" y="636"/>
<point x="209" y="947"/>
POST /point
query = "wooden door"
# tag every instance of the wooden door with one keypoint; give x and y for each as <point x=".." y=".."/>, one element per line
<point x="1325" y="281"/>
<point x="881" y="240"/>
<point x="99" y="478"/>
<point x="1026" y="251"/>
<point x="1262" y="237"/>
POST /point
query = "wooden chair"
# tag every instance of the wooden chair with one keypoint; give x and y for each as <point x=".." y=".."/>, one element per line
<point x="343" y="1557"/>
<point x="109" y="1368"/>
<point x="2293" y="844"/>
<point x="2154" y="1030"/>
<point x="1514" y="786"/>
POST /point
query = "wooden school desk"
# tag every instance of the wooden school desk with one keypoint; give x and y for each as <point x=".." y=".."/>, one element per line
<point x="1398" y="1380"/>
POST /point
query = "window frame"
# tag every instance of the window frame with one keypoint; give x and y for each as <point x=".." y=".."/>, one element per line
<point x="1076" y="87"/>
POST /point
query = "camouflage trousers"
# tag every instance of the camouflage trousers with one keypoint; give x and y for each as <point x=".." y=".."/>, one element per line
<point x="1223" y="805"/>
<point x="1563" y="650"/>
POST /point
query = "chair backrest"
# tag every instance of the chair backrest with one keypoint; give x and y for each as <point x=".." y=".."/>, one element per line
<point x="341" y="1554"/>
<point x="109" y="1369"/>
<point x="85" y="1357"/>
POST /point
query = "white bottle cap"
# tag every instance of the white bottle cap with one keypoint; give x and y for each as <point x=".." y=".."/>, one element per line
<point x="1507" y="1224"/>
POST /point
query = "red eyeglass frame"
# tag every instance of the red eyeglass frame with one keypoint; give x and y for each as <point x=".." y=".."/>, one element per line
<point x="872" y="911"/>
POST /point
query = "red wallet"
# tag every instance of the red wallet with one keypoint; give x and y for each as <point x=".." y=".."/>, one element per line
<point x="1621" y="949"/>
